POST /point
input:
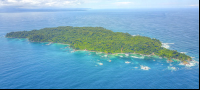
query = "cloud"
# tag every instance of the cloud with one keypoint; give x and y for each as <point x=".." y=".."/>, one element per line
<point x="122" y="3"/>
<point x="97" y="3"/>
<point x="40" y="3"/>
<point x="33" y="2"/>
<point x="194" y="5"/>
<point x="12" y="1"/>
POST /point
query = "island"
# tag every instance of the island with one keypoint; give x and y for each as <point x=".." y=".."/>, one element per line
<point x="101" y="40"/>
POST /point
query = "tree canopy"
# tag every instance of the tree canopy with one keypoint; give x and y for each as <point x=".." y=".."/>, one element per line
<point x="100" y="39"/>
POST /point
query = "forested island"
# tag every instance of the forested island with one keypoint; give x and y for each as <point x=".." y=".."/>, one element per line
<point x="101" y="40"/>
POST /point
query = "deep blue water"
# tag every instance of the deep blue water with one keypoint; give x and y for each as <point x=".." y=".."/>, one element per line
<point x="25" y="64"/>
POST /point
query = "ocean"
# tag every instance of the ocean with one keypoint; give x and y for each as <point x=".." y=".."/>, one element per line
<point x="35" y="65"/>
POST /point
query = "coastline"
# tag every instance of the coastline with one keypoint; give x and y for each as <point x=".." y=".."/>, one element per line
<point x="168" y="60"/>
<point x="185" y="62"/>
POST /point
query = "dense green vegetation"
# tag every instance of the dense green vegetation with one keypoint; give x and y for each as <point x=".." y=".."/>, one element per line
<point x="99" y="39"/>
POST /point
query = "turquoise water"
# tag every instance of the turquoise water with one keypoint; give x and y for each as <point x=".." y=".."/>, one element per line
<point x="25" y="64"/>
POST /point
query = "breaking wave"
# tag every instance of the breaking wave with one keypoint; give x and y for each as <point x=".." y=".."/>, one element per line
<point x="166" y="45"/>
<point x="144" y="67"/>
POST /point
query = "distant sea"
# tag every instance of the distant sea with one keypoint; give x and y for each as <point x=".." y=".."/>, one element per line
<point x="31" y="65"/>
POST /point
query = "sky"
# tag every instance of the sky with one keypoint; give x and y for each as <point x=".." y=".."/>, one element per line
<point x="99" y="4"/>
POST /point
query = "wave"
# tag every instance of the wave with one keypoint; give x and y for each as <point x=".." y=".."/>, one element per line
<point x="109" y="60"/>
<point x="72" y="51"/>
<point x="172" y="68"/>
<point x="98" y="52"/>
<point x="144" y="67"/>
<point x="49" y="43"/>
<point x="134" y="57"/>
<point x="100" y="63"/>
<point x="136" y="35"/>
<point x="127" y="62"/>
<point x="138" y="57"/>
<point x="183" y="52"/>
<point x="190" y="64"/>
<point x="120" y="56"/>
<point x="165" y="45"/>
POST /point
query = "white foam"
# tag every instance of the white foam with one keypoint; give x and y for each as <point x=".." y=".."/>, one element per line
<point x="127" y="55"/>
<point x="135" y="35"/>
<point x="144" y="67"/>
<point x="98" y="52"/>
<point x="169" y="43"/>
<point x="72" y="51"/>
<point x="100" y="63"/>
<point x="183" y="52"/>
<point x="138" y="57"/>
<point x="109" y="60"/>
<point x="168" y="61"/>
<point x="180" y="64"/>
<point x="190" y="64"/>
<point x="49" y="43"/>
<point x="134" y="57"/>
<point x="127" y="62"/>
<point x="105" y="55"/>
<point x="142" y="57"/>
<point x="165" y="45"/>
<point x="172" y="68"/>
<point x="120" y="56"/>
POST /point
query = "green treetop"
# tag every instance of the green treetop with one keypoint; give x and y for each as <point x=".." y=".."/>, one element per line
<point x="100" y="39"/>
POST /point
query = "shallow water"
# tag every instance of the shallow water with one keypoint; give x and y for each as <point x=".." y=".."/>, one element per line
<point x="25" y="64"/>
